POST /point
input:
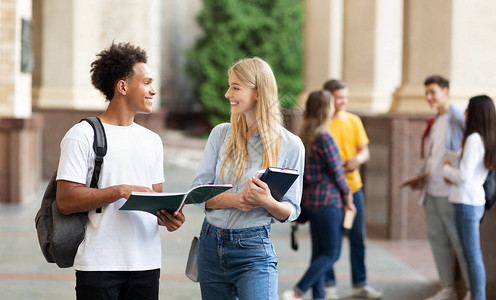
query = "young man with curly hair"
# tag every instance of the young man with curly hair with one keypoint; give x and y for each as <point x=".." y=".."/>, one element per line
<point x="120" y="256"/>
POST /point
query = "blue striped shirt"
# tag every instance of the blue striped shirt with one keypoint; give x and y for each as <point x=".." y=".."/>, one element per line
<point x="292" y="156"/>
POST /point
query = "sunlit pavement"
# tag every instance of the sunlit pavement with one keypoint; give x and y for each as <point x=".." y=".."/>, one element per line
<point x="401" y="269"/>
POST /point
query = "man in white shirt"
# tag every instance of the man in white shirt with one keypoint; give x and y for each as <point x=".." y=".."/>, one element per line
<point x="443" y="134"/>
<point x="120" y="256"/>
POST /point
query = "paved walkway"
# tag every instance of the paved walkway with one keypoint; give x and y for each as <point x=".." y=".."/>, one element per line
<point x="401" y="269"/>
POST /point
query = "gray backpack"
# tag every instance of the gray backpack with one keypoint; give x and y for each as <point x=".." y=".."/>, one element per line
<point x="490" y="189"/>
<point x="60" y="235"/>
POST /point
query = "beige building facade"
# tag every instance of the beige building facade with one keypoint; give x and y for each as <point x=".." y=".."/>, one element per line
<point x="383" y="50"/>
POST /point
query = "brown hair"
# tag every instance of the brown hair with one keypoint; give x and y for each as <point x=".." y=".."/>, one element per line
<point x="437" y="79"/>
<point x="334" y="85"/>
<point x="481" y="118"/>
<point x="317" y="111"/>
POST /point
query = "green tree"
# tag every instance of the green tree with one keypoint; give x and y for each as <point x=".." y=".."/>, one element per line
<point x="235" y="29"/>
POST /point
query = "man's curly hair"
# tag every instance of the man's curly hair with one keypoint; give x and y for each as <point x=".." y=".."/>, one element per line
<point x="114" y="64"/>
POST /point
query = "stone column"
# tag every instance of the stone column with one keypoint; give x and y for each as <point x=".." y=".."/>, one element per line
<point x="137" y="22"/>
<point x="372" y="52"/>
<point x="323" y="52"/>
<point x="179" y="17"/>
<point x="20" y="131"/>
<point x="15" y="69"/>
<point x="20" y="158"/>
<point x="70" y="39"/>
<point x="323" y="32"/>
<point x="74" y="31"/>
<point x="452" y="38"/>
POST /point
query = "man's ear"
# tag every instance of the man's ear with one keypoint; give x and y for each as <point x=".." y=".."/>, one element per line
<point x="121" y="87"/>
<point x="445" y="91"/>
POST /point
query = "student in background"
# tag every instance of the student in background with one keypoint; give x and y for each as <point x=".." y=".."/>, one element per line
<point x="467" y="194"/>
<point x="349" y="134"/>
<point x="325" y="192"/>
<point x="443" y="134"/>
<point x="236" y="257"/>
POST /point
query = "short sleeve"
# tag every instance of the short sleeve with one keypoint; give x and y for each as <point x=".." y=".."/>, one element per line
<point x="294" y="159"/>
<point x="74" y="154"/>
<point x="362" y="138"/>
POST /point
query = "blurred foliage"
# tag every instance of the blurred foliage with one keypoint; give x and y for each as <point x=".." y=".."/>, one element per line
<point x="235" y="29"/>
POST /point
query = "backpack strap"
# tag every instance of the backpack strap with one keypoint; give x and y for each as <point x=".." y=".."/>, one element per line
<point x="100" y="148"/>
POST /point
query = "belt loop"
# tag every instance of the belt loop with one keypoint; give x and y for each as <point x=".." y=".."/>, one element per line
<point x="267" y="230"/>
<point x="207" y="227"/>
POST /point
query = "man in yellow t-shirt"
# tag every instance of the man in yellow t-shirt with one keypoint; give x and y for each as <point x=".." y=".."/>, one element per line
<point x="349" y="134"/>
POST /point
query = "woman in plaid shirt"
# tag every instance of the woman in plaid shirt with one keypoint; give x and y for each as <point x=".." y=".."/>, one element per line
<point x="324" y="193"/>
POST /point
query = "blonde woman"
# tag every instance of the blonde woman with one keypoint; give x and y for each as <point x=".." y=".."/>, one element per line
<point x="236" y="258"/>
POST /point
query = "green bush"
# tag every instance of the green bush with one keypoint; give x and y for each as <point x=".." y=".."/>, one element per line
<point x="235" y="29"/>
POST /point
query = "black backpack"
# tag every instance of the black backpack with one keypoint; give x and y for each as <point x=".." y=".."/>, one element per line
<point x="60" y="235"/>
<point x="490" y="189"/>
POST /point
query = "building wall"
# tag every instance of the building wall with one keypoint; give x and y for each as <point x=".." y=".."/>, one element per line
<point x="20" y="132"/>
<point x="393" y="212"/>
<point x="71" y="32"/>
<point x="15" y="83"/>
<point x="180" y="32"/>
<point x="383" y="49"/>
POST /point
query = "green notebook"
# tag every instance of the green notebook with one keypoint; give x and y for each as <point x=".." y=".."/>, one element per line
<point x="172" y="202"/>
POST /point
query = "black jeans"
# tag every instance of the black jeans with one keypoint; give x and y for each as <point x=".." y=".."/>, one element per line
<point x="117" y="285"/>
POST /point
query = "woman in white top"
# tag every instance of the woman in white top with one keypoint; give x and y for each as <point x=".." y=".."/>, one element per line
<point x="467" y="194"/>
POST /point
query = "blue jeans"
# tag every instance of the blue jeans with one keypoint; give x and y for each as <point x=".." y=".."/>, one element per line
<point x="237" y="264"/>
<point x="357" y="246"/>
<point x="326" y="232"/>
<point x="467" y="223"/>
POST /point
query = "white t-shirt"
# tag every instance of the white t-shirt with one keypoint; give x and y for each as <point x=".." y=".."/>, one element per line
<point x="470" y="176"/>
<point x="116" y="240"/>
<point x="435" y="182"/>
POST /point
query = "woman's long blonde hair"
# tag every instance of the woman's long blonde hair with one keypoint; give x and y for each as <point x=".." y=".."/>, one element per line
<point x="256" y="74"/>
<point x="317" y="112"/>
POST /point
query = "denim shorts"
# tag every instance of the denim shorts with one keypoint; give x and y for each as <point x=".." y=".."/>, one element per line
<point x="237" y="263"/>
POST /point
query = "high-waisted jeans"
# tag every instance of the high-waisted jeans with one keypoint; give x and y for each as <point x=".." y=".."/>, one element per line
<point x="237" y="264"/>
<point x="357" y="246"/>
<point x="326" y="232"/>
<point x="467" y="223"/>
